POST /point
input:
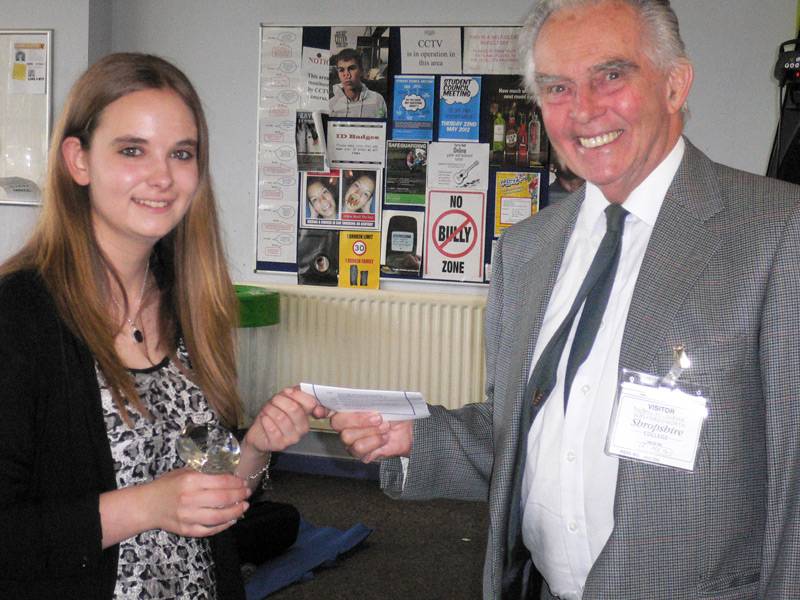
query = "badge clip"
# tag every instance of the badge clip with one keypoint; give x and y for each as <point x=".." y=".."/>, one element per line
<point x="680" y="363"/>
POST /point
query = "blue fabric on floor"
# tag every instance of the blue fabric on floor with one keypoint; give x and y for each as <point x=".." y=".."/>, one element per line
<point x="314" y="547"/>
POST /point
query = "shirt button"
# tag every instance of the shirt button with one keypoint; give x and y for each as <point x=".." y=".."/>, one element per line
<point x="570" y="456"/>
<point x="573" y="526"/>
<point x="586" y="389"/>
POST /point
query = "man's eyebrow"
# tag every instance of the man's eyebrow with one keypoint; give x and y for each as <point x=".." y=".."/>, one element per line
<point x="617" y="64"/>
<point x="546" y="79"/>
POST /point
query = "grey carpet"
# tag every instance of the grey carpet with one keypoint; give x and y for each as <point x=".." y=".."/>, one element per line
<point x="418" y="550"/>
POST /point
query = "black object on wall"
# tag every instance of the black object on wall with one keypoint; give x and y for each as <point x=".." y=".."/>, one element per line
<point x="784" y="160"/>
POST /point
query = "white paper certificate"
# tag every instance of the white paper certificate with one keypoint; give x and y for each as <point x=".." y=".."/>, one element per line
<point x="393" y="405"/>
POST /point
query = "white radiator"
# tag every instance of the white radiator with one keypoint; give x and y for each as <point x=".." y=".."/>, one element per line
<point x="432" y="343"/>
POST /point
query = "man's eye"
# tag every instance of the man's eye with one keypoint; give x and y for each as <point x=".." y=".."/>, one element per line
<point x="555" y="89"/>
<point x="612" y="75"/>
<point x="131" y="151"/>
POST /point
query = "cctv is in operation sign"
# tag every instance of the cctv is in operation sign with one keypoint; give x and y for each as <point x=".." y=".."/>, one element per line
<point x="454" y="229"/>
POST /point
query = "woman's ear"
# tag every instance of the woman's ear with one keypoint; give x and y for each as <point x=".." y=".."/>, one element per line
<point x="76" y="160"/>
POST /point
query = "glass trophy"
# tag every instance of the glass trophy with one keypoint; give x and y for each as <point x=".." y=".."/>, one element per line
<point x="208" y="448"/>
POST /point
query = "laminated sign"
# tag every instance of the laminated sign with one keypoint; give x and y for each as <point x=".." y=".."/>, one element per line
<point x="454" y="230"/>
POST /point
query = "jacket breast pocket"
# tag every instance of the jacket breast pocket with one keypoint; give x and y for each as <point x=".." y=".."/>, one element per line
<point x="740" y="591"/>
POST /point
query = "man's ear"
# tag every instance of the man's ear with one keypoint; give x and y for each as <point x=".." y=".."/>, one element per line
<point x="76" y="160"/>
<point x="679" y="83"/>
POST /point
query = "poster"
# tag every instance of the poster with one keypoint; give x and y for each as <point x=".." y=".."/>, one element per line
<point x="491" y="50"/>
<point x="29" y="68"/>
<point x="516" y="197"/>
<point x="511" y="124"/>
<point x="356" y="144"/>
<point x="359" y="259"/>
<point x="412" y="117"/>
<point x="431" y="50"/>
<point x="349" y="199"/>
<point x="459" y="108"/>
<point x="454" y="226"/>
<point x="406" y="168"/>
<point x="359" y="58"/>
<point x="318" y="257"/>
<point x="316" y="70"/>
<point x="458" y="165"/>
<point x="281" y="88"/>
<point x="402" y="239"/>
<point x="309" y="141"/>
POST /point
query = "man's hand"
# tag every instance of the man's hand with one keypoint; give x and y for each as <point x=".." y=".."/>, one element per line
<point x="369" y="438"/>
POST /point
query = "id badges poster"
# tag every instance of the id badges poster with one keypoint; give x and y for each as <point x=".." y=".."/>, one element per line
<point x="407" y="149"/>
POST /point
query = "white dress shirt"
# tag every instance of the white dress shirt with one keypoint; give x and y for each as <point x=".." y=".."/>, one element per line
<point x="569" y="482"/>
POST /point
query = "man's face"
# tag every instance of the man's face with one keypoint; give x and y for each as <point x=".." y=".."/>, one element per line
<point x="611" y="114"/>
<point x="349" y="74"/>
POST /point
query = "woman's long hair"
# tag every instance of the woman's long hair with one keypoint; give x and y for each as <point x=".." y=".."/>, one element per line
<point x="198" y="300"/>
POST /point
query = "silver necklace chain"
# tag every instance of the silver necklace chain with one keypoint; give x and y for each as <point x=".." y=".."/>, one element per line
<point x="136" y="333"/>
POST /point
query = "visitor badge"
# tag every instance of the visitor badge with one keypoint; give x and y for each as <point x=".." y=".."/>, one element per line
<point x="653" y="421"/>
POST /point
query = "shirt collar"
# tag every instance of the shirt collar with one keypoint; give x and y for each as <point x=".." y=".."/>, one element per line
<point x="644" y="202"/>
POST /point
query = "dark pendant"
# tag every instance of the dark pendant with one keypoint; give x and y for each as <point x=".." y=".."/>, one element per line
<point x="137" y="335"/>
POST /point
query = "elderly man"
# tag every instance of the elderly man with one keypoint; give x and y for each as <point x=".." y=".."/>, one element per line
<point x="350" y="97"/>
<point x="679" y="480"/>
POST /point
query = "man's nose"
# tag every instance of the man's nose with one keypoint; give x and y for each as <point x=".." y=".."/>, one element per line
<point x="586" y="105"/>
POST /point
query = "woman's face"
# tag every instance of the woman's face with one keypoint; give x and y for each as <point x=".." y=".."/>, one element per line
<point x="140" y="166"/>
<point x="321" y="200"/>
<point x="359" y="194"/>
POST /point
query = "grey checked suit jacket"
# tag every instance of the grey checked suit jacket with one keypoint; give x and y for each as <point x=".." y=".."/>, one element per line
<point x="721" y="275"/>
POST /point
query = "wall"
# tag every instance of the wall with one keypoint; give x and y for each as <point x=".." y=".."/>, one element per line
<point x="71" y="39"/>
<point x="733" y="43"/>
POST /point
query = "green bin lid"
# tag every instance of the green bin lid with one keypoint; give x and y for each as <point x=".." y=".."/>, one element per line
<point x="257" y="306"/>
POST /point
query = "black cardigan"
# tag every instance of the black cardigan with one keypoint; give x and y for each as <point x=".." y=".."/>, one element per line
<point x="55" y="459"/>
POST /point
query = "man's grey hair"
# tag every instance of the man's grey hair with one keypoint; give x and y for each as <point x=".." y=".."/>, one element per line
<point x="664" y="46"/>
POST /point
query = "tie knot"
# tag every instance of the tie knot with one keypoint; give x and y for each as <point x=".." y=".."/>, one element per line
<point x="615" y="217"/>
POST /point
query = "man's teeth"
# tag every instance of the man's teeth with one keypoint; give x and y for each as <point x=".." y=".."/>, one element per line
<point x="151" y="203"/>
<point x="599" y="140"/>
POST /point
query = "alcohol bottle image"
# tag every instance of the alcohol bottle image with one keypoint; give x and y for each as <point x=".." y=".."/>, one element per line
<point x="498" y="135"/>
<point x="535" y="138"/>
<point x="510" y="151"/>
<point x="522" y="141"/>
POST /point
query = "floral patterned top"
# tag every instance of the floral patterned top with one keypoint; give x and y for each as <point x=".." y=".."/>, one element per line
<point x="158" y="564"/>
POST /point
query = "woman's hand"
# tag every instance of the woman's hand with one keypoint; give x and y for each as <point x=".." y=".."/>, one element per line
<point x="182" y="501"/>
<point x="283" y="420"/>
<point x="195" y="504"/>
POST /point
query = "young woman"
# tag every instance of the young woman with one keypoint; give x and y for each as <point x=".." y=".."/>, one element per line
<point x="116" y="331"/>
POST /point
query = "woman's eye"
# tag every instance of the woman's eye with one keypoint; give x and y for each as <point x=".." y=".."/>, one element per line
<point x="183" y="155"/>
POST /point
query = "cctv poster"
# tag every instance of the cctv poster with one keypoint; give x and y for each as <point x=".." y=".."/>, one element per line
<point x="459" y="109"/>
<point x="413" y="108"/>
<point x="431" y="50"/>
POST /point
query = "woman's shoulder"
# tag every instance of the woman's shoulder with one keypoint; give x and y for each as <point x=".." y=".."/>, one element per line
<point x="24" y="293"/>
<point x="21" y="287"/>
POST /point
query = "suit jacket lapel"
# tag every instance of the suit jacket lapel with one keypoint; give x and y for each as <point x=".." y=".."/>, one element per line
<point x="678" y="252"/>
